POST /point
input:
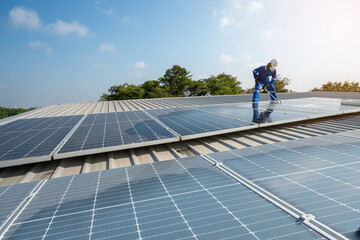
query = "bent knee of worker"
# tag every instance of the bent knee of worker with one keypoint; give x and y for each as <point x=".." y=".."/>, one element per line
<point x="271" y="88"/>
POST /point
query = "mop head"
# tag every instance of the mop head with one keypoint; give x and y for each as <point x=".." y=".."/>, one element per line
<point x="351" y="102"/>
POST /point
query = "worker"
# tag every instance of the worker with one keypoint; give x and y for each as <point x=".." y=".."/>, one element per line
<point x="265" y="75"/>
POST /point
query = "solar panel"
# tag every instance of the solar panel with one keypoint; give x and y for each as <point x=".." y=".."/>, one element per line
<point x="11" y="197"/>
<point x="317" y="175"/>
<point x="114" y="131"/>
<point x="191" y="123"/>
<point x="313" y="106"/>
<point x="32" y="140"/>
<point x="246" y="113"/>
<point x="186" y="199"/>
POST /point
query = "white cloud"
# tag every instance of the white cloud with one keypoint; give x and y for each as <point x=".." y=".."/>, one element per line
<point x="236" y="14"/>
<point x="236" y="5"/>
<point x="125" y="19"/>
<point x="226" y="59"/>
<point x="270" y="33"/>
<point x="106" y="47"/>
<point x="26" y="18"/>
<point x="140" y="65"/>
<point x="29" y="19"/>
<point x="35" y="44"/>
<point x="254" y="7"/>
<point x="64" y="28"/>
<point x="109" y="12"/>
<point x="39" y="45"/>
<point x="226" y="21"/>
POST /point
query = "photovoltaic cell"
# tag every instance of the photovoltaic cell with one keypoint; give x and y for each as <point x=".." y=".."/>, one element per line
<point x="12" y="196"/>
<point x="317" y="175"/>
<point x="101" y="131"/>
<point x="188" y="121"/>
<point x="24" y="139"/>
<point x="313" y="106"/>
<point x="186" y="199"/>
<point x="245" y="113"/>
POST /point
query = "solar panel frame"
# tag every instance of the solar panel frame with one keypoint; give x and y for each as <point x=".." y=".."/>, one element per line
<point x="193" y="124"/>
<point x="317" y="175"/>
<point x="33" y="140"/>
<point x="133" y="129"/>
<point x="11" y="198"/>
<point x="179" y="199"/>
<point x="233" y="110"/>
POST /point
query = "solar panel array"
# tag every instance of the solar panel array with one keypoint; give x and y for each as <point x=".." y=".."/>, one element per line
<point x="33" y="140"/>
<point x="12" y="196"/>
<point x="24" y="140"/>
<point x="265" y="114"/>
<point x="187" y="121"/>
<point x="317" y="175"/>
<point x="106" y="130"/>
<point x="186" y="199"/>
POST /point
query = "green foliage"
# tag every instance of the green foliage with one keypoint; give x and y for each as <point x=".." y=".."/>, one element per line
<point x="123" y="92"/>
<point x="152" y="89"/>
<point x="8" y="112"/>
<point x="197" y="88"/>
<point x="281" y="83"/>
<point x="347" y="86"/>
<point x="223" y="84"/>
<point x="176" y="80"/>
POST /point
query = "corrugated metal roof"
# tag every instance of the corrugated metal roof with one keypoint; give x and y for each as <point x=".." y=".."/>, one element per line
<point x="155" y="103"/>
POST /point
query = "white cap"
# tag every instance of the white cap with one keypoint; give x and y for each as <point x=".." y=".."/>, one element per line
<point x="274" y="63"/>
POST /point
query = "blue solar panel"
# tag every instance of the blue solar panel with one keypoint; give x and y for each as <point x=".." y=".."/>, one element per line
<point x="99" y="131"/>
<point x="186" y="199"/>
<point x="313" y="106"/>
<point x="12" y="196"/>
<point x="317" y="175"/>
<point x="246" y="113"/>
<point x="188" y="121"/>
<point x="29" y="138"/>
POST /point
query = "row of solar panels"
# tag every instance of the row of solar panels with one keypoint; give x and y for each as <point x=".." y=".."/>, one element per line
<point x="193" y="199"/>
<point x="40" y="139"/>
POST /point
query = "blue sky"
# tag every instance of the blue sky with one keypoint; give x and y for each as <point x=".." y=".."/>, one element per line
<point x="65" y="51"/>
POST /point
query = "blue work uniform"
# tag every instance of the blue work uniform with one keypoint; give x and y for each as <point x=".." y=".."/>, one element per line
<point x="264" y="76"/>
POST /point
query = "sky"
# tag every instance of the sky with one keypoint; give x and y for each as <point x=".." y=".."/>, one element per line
<point x="65" y="51"/>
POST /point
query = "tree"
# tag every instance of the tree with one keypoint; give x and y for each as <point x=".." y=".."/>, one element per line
<point x="347" y="86"/>
<point x="175" y="80"/>
<point x="152" y="89"/>
<point x="223" y="84"/>
<point x="123" y="92"/>
<point x="197" y="88"/>
<point x="281" y="83"/>
<point x="8" y="112"/>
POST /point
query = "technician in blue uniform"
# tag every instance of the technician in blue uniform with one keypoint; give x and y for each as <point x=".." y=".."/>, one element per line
<point x="265" y="75"/>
